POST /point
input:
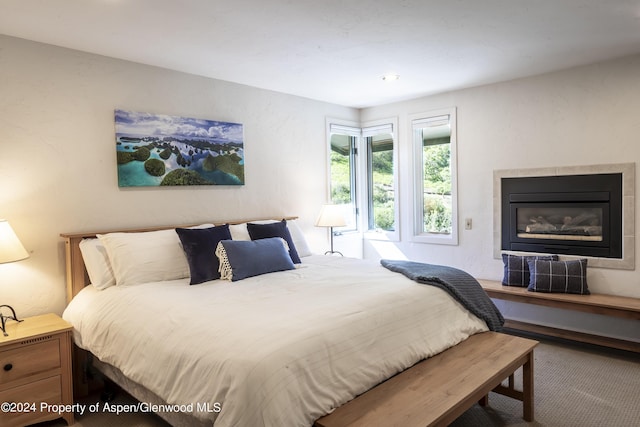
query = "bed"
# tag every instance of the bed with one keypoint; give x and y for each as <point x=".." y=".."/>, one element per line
<point x="277" y="348"/>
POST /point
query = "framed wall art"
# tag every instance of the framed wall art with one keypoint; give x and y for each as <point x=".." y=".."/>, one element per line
<point x="157" y="149"/>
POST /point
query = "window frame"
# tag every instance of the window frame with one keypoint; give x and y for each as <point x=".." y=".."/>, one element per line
<point x="418" y="233"/>
<point x="388" y="125"/>
<point x="351" y="129"/>
<point x="362" y="173"/>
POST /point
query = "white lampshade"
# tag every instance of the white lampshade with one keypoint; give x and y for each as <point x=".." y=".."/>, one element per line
<point x="331" y="216"/>
<point x="10" y="247"/>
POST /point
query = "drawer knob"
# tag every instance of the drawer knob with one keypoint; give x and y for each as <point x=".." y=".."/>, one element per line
<point x="8" y="367"/>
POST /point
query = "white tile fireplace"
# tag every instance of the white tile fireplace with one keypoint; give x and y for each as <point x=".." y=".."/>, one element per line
<point x="578" y="211"/>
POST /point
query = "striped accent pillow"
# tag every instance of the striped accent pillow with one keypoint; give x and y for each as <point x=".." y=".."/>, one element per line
<point x="569" y="277"/>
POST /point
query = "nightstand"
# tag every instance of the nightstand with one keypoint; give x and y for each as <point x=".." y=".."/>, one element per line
<point x="35" y="371"/>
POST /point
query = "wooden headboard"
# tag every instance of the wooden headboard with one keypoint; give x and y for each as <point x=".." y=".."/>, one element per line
<point x="76" y="273"/>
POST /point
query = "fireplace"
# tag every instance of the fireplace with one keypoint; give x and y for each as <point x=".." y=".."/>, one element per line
<point x="568" y="214"/>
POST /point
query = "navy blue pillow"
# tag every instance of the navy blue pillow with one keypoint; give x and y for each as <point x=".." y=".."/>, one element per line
<point x="240" y="259"/>
<point x="199" y="245"/>
<point x="275" y="229"/>
<point x="568" y="277"/>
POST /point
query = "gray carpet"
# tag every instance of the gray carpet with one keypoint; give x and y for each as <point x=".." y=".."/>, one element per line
<point x="574" y="387"/>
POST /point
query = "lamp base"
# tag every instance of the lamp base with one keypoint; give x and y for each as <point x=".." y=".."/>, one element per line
<point x="333" y="252"/>
<point x="3" y="319"/>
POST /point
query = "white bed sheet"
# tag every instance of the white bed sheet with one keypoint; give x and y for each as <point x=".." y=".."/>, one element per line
<point x="281" y="349"/>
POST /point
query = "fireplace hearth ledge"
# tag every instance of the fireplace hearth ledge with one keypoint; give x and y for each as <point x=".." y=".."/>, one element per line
<point x="628" y="170"/>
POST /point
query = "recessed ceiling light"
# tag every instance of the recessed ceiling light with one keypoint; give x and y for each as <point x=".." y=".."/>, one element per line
<point x="390" y="77"/>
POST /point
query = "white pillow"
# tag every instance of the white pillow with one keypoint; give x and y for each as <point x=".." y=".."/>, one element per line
<point x="145" y="257"/>
<point x="299" y="241"/>
<point x="239" y="232"/>
<point x="96" y="261"/>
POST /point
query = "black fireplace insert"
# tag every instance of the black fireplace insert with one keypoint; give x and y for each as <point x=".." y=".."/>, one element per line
<point x="568" y="214"/>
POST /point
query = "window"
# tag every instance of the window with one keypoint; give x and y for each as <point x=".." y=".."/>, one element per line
<point x="343" y="142"/>
<point x="366" y="184"/>
<point x="435" y="198"/>
<point x="381" y="178"/>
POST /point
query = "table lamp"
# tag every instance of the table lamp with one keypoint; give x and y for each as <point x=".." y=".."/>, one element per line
<point x="331" y="216"/>
<point x="10" y="250"/>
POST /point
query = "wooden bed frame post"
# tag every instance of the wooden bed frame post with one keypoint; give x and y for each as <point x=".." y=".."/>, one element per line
<point x="527" y="388"/>
<point x="77" y="277"/>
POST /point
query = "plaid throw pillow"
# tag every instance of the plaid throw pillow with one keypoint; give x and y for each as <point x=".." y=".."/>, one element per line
<point x="516" y="269"/>
<point x="569" y="277"/>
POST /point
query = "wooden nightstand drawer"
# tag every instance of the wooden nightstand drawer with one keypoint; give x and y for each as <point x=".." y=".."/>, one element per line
<point x="26" y="402"/>
<point x="35" y="369"/>
<point x="19" y="362"/>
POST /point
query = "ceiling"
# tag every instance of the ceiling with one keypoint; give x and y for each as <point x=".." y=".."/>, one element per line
<point x="338" y="50"/>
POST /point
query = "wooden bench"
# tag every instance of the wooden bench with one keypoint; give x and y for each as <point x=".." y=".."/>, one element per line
<point x="438" y="390"/>
<point x="607" y="305"/>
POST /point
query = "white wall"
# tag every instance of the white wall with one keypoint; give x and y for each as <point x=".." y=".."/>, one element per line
<point x="582" y="116"/>
<point x="58" y="165"/>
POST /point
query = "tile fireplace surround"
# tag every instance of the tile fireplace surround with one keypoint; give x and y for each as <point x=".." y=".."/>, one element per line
<point x="627" y="262"/>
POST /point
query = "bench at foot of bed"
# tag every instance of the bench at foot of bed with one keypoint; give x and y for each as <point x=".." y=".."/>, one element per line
<point x="438" y="390"/>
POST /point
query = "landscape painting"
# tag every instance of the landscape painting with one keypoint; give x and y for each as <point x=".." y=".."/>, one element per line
<point x="157" y="149"/>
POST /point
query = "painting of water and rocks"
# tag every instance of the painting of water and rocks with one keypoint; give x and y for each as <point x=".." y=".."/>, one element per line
<point x="157" y="149"/>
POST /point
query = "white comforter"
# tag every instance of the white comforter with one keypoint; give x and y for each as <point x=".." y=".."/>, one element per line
<point x="281" y="349"/>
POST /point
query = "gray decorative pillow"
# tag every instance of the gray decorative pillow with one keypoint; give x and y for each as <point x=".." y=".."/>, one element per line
<point x="569" y="277"/>
<point x="516" y="269"/>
